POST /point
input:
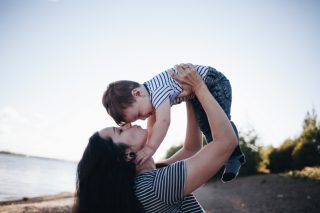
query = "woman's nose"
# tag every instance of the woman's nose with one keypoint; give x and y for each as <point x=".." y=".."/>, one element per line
<point x="126" y="126"/>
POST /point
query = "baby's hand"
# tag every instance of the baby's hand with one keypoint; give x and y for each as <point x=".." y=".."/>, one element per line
<point x="144" y="154"/>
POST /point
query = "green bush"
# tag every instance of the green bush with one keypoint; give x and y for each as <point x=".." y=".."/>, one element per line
<point x="280" y="159"/>
<point x="172" y="150"/>
<point x="306" y="172"/>
<point x="300" y="152"/>
<point x="307" y="150"/>
<point x="248" y="147"/>
<point x="251" y="151"/>
<point x="264" y="153"/>
<point x="293" y="154"/>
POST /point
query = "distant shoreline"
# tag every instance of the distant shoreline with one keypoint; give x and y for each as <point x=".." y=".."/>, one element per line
<point x="32" y="156"/>
<point x="37" y="198"/>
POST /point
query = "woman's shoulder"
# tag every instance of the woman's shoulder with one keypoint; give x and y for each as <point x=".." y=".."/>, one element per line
<point x="175" y="172"/>
<point x="178" y="166"/>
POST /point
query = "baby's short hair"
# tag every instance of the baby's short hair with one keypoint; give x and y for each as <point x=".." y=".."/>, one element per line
<point x="117" y="98"/>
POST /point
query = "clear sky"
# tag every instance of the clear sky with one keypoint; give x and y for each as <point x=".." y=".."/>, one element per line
<point x="57" y="57"/>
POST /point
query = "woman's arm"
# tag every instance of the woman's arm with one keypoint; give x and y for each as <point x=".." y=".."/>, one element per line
<point x="210" y="158"/>
<point x="193" y="139"/>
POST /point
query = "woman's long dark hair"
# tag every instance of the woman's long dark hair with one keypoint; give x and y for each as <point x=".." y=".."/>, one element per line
<point x="105" y="179"/>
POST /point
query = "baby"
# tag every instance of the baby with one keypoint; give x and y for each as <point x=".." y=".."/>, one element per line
<point x="128" y="101"/>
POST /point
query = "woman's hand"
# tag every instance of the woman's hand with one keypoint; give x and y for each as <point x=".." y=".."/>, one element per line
<point x="188" y="77"/>
<point x="187" y="90"/>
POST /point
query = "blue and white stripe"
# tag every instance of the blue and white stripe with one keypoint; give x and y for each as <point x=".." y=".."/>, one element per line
<point x="162" y="86"/>
<point x="162" y="190"/>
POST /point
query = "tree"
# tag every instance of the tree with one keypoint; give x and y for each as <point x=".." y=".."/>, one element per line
<point x="307" y="150"/>
<point x="280" y="159"/>
<point x="264" y="153"/>
<point x="299" y="152"/>
<point x="249" y="148"/>
<point x="172" y="150"/>
<point x="251" y="151"/>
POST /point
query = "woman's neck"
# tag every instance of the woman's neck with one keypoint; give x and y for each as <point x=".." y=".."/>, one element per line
<point x="147" y="166"/>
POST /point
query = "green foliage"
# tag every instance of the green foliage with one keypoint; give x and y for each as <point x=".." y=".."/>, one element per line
<point x="280" y="159"/>
<point x="264" y="153"/>
<point x="249" y="148"/>
<point x="293" y="154"/>
<point x="251" y="151"/>
<point x="307" y="150"/>
<point x="306" y="172"/>
<point x="172" y="150"/>
<point x="300" y="152"/>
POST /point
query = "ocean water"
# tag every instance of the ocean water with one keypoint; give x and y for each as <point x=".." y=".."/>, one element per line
<point x="29" y="177"/>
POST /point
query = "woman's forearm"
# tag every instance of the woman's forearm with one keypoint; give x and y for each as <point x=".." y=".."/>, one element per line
<point x="210" y="158"/>
<point x="193" y="139"/>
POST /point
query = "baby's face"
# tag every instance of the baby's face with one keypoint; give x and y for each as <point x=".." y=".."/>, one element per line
<point x="139" y="110"/>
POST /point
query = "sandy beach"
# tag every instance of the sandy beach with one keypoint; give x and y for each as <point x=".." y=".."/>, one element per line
<point x="254" y="194"/>
<point x="60" y="203"/>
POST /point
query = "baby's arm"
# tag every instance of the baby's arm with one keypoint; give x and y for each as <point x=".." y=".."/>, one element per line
<point x="157" y="132"/>
<point x="150" y="123"/>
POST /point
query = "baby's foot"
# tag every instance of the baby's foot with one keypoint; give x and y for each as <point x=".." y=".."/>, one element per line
<point x="232" y="167"/>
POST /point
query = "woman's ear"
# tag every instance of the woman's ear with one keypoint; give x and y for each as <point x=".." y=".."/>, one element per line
<point x="130" y="156"/>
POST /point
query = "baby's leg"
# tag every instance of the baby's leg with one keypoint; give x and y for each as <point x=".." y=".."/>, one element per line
<point x="220" y="88"/>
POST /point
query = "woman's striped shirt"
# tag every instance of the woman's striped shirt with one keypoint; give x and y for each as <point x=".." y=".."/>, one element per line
<point x="162" y="190"/>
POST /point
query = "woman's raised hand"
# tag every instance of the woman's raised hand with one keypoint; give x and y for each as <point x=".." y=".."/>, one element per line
<point x="188" y="76"/>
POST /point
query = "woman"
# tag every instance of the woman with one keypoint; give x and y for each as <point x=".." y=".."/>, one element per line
<point x="108" y="179"/>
